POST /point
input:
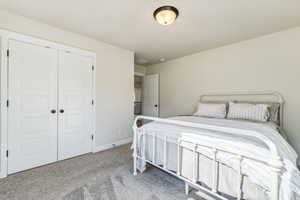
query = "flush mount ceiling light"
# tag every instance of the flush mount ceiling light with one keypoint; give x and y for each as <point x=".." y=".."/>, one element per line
<point x="165" y="15"/>
<point x="162" y="60"/>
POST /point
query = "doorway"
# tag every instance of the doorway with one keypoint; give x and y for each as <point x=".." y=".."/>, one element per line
<point x="146" y="90"/>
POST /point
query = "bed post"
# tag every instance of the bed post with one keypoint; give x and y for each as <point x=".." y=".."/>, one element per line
<point x="275" y="185"/>
<point x="134" y="144"/>
<point x="275" y="169"/>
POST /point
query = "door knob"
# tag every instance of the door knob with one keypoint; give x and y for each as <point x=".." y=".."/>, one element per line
<point x="53" y="111"/>
<point x="61" y="111"/>
<point x="155" y="105"/>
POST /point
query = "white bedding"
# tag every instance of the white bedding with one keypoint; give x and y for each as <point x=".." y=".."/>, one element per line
<point x="290" y="179"/>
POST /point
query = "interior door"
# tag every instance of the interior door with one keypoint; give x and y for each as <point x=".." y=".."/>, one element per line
<point x="75" y="105"/>
<point x="32" y="117"/>
<point x="151" y="95"/>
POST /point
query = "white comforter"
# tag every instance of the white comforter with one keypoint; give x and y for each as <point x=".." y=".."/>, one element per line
<point x="290" y="179"/>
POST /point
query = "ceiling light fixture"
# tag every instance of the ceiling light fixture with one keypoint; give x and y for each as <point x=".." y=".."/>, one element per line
<point x="165" y="15"/>
<point x="162" y="60"/>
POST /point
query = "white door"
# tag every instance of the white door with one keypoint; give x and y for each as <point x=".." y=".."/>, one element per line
<point x="75" y="105"/>
<point x="151" y="95"/>
<point x="32" y="116"/>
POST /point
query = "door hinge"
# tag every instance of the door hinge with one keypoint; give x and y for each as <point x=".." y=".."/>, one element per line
<point x="7" y="103"/>
<point x="7" y="153"/>
<point x="93" y="68"/>
<point x="92" y="137"/>
<point x="7" y="52"/>
<point x="93" y="102"/>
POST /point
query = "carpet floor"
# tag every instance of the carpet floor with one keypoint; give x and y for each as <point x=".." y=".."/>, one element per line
<point x="101" y="176"/>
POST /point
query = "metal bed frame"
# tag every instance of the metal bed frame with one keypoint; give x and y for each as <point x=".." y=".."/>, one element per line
<point x="273" y="161"/>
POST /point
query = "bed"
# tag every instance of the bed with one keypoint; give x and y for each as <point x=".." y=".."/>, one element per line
<point x="226" y="158"/>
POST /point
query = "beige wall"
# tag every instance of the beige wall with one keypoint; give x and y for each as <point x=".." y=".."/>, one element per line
<point x="139" y="69"/>
<point x="267" y="63"/>
<point x="114" y="75"/>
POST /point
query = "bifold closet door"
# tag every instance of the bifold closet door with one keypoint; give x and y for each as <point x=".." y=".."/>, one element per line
<point x="32" y="117"/>
<point x="75" y="105"/>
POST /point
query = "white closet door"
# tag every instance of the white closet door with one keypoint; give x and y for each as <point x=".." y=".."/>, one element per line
<point x="32" y="127"/>
<point x="151" y="95"/>
<point x="75" y="105"/>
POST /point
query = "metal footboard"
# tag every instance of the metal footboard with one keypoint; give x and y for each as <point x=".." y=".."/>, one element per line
<point x="273" y="161"/>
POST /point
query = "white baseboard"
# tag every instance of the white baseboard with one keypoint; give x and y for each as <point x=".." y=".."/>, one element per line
<point x="112" y="145"/>
<point x="2" y="175"/>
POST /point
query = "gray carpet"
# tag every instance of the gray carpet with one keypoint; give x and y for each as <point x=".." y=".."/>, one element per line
<point x="101" y="176"/>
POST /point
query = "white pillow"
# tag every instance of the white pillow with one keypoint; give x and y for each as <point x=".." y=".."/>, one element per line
<point x="216" y="110"/>
<point x="246" y="111"/>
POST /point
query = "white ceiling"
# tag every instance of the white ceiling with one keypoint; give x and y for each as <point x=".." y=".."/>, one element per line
<point x="202" y="24"/>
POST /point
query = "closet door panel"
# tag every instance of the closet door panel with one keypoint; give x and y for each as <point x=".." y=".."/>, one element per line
<point x="75" y="105"/>
<point x="32" y="128"/>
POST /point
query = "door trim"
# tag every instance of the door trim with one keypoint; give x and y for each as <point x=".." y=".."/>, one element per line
<point x="5" y="36"/>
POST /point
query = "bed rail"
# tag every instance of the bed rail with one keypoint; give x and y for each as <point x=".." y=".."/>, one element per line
<point x="272" y="161"/>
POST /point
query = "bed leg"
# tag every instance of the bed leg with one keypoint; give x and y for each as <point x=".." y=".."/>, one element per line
<point x="134" y="155"/>
<point x="134" y="166"/>
<point x="187" y="188"/>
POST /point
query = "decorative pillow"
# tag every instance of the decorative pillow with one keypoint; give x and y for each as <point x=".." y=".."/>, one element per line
<point x="215" y="110"/>
<point x="247" y="111"/>
<point x="274" y="109"/>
